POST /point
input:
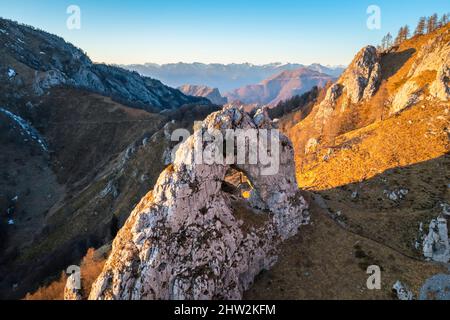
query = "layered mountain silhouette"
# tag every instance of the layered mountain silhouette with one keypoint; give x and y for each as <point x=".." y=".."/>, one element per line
<point x="280" y="87"/>
<point x="225" y="77"/>
<point x="212" y="94"/>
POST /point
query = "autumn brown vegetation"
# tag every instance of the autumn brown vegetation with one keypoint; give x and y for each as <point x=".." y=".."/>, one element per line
<point x="91" y="266"/>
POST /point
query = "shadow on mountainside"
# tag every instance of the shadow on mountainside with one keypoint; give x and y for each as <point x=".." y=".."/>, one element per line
<point x="348" y="233"/>
<point x="392" y="62"/>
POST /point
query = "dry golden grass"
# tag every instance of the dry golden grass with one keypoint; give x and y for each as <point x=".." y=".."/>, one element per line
<point x="91" y="266"/>
<point x="368" y="151"/>
<point x="416" y="135"/>
<point x="326" y="261"/>
<point x="54" y="291"/>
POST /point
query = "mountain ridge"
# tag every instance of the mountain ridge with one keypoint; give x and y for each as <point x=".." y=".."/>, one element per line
<point x="212" y="94"/>
<point x="280" y="87"/>
<point x="225" y="77"/>
<point x="37" y="61"/>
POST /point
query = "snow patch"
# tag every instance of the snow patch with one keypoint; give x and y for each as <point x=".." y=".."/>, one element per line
<point x="27" y="128"/>
<point x="11" y="73"/>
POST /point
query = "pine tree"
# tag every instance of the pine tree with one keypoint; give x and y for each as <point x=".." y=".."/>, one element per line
<point x="420" y="29"/>
<point x="444" y="20"/>
<point x="382" y="46"/>
<point x="406" y="32"/>
<point x="399" y="37"/>
<point x="432" y="23"/>
<point x="389" y="42"/>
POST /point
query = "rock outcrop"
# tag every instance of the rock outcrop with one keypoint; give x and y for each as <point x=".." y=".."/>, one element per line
<point x="429" y="75"/>
<point x="212" y="94"/>
<point x="358" y="83"/>
<point x="189" y="240"/>
<point x="436" y="245"/>
<point x="72" y="291"/>
<point x="402" y="291"/>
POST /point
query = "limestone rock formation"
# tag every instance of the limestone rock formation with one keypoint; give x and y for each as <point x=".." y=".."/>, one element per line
<point x="430" y="74"/>
<point x="189" y="238"/>
<point x="436" y="245"/>
<point x="72" y="291"/>
<point x="403" y="292"/>
<point x="440" y="88"/>
<point x="358" y="83"/>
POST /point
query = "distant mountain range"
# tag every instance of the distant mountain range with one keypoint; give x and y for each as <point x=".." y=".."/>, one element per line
<point x="212" y="94"/>
<point x="225" y="77"/>
<point x="280" y="87"/>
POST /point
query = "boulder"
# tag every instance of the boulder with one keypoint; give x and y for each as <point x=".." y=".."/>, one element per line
<point x="72" y="291"/>
<point x="402" y="291"/>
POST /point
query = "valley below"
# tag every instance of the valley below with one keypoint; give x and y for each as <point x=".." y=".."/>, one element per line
<point x="88" y="177"/>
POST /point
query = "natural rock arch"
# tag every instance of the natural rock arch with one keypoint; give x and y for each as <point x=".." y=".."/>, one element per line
<point x="183" y="241"/>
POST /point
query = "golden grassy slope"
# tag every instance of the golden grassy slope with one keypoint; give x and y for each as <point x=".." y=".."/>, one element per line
<point x="367" y="151"/>
<point x="416" y="135"/>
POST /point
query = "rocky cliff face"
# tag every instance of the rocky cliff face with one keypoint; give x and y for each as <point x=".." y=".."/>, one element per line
<point x="429" y="74"/>
<point x="212" y="94"/>
<point x="192" y="239"/>
<point x="425" y="76"/>
<point x="358" y="83"/>
<point x="36" y="61"/>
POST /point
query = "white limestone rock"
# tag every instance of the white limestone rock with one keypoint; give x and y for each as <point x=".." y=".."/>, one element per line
<point x="407" y="96"/>
<point x="403" y="292"/>
<point x="432" y="58"/>
<point x="436" y="245"/>
<point x="184" y="241"/>
<point x="441" y="87"/>
<point x="311" y="146"/>
<point x="72" y="291"/>
<point x="358" y="83"/>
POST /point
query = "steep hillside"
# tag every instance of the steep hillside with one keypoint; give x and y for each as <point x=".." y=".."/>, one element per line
<point x="80" y="147"/>
<point x="212" y="94"/>
<point x="34" y="61"/>
<point x="378" y="85"/>
<point x="280" y="87"/>
<point x="374" y="155"/>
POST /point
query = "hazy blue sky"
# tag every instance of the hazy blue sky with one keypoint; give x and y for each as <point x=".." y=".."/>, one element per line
<point x="255" y="31"/>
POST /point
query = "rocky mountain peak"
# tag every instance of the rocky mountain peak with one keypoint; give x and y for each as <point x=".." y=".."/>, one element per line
<point x="212" y="94"/>
<point x="359" y="82"/>
<point x="195" y="236"/>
